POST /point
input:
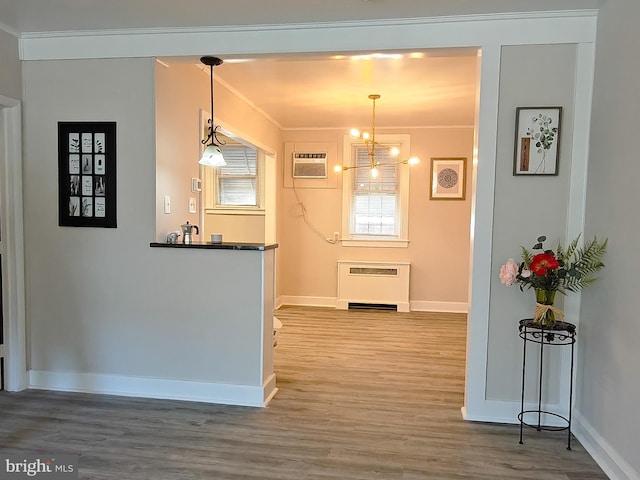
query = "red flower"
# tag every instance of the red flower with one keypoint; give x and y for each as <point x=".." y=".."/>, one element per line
<point x="542" y="263"/>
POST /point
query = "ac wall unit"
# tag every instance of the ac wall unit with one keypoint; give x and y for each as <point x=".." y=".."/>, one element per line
<point x="309" y="164"/>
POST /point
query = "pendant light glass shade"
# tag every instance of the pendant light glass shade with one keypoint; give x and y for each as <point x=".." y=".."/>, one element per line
<point x="212" y="157"/>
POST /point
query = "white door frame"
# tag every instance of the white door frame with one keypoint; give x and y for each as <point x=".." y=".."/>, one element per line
<point x="12" y="246"/>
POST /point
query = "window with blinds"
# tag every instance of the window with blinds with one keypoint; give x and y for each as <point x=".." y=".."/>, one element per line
<point x="375" y="201"/>
<point x="236" y="182"/>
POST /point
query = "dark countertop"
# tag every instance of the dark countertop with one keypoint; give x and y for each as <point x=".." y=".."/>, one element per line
<point x="218" y="246"/>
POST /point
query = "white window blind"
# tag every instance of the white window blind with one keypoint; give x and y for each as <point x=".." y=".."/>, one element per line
<point x="237" y="180"/>
<point x="375" y="200"/>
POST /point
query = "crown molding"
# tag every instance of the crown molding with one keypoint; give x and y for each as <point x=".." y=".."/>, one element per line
<point x="238" y="94"/>
<point x="235" y="92"/>
<point x="574" y="26"/>
<point x="379" y="128"/>
<point x="9" y="30"/>
<point x="315" y="25"/>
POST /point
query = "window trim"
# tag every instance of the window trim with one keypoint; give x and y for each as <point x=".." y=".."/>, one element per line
<point x="211" y="191"/>
<point x="382" y="241"/>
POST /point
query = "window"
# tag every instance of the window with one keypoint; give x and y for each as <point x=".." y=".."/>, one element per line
<point x="238" y="187"/>
<point x="375" y="200"/>
<point x="375" y="210"/>
<point x="237" y="182"/>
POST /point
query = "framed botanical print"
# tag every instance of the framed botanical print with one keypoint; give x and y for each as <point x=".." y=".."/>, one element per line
<point x="87" y="174"/>
<point x="537" y="140"/>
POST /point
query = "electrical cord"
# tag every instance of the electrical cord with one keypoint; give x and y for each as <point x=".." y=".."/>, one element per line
<point x="303" y="213"/>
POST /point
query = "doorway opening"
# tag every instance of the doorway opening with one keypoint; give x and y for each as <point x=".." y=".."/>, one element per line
<point x="311" y="101"/>
<point x="314" y="100"/>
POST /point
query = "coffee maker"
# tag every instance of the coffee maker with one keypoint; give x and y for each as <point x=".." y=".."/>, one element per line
<point x="187" y="232"/>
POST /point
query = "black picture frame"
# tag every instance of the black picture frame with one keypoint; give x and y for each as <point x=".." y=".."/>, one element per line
<point x="537" y="140"/>
<point x="87" y="190"/>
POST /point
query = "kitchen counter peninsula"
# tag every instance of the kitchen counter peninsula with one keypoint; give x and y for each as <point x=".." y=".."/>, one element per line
<point x="218" y="246"/>
<point x="214" y="312"/>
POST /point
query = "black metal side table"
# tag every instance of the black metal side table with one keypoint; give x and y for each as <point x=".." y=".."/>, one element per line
<point x="559" y="334"/>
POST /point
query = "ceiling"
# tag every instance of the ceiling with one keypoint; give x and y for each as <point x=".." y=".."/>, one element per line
<point x="425" y="88"/>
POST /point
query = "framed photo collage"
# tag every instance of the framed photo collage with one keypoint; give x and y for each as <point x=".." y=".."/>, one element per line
<point x="87" y="174"/>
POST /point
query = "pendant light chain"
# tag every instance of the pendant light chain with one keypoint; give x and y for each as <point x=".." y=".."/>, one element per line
<point x="211" y="120"/>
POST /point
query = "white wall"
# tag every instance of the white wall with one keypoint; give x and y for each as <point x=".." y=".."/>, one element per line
<point x="181" y="91"/>
<point x="526" y="206"/>
<point x="609" y="334"/>
<point x="101" y="301"/>
<point x="82" y="282"/>
<point x="438" y="230"/>
<point x="10" y="76"/>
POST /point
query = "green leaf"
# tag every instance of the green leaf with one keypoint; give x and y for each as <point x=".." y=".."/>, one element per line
<point x="526" y="257"/>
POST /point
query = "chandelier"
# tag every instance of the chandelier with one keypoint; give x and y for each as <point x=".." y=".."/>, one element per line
<point x="371" y="144"/>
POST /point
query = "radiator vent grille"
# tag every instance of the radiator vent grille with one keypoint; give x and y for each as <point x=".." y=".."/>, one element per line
<point x="373" y="271"/>
<point x="373" y="306"/>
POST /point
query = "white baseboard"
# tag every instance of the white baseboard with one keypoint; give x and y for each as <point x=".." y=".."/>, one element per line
<point x="269" y="389"/>
<point x="492" y="412"/>
<point x="495" y="411"/>
<point x="306" y="301"/>
<point x="228" y="394"/>
<point x="448" y="307"/>
<point x="414" y="306"/>
<point x="607" y="457"/>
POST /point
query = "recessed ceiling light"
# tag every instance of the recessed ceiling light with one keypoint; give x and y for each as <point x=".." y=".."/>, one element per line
<point x="370" y="56"/>
<point x="239" y="60"/>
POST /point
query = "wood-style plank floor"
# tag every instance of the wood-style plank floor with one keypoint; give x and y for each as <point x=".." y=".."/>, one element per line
<point x="363" y="395"/>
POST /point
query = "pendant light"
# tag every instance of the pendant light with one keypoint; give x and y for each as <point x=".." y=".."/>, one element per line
<point x="212" y="155"/>
<point x="371" y="144"/>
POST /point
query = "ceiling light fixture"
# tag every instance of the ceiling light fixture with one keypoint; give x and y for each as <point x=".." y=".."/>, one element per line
<point x="212" y="155"/>
<point x="371" y="144"/>
<point x="373" y="56"/>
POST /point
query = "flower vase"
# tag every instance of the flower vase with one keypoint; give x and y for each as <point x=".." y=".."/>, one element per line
<point x="545" y="313"/>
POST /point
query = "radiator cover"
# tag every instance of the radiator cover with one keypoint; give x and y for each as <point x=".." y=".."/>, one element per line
<point x="384" y="283"/>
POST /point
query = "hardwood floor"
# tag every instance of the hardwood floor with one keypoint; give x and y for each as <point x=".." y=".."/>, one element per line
<point x="363" y="395"/>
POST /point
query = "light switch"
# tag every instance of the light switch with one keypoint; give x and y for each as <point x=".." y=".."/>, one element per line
<point x="167" y="204"/>
<point x="193" y="208"/>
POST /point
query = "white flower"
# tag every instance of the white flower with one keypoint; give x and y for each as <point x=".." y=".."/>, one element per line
<point x="509" y="272"/>
<point x="525" y="273"/>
